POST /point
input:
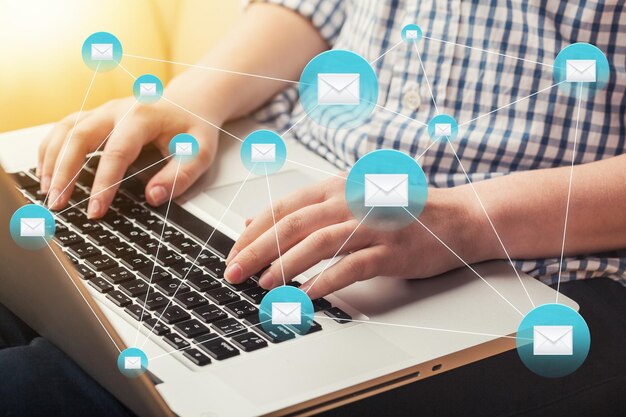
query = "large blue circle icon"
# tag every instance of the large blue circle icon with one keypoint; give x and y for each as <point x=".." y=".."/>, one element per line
<point x="132" y="362"/>
<point x="286" y="311"/>
<point x="581" y="69"/>
<point x="102" y="51"/>
<point x="32" y="226"/>
<point x="263" y="152"/>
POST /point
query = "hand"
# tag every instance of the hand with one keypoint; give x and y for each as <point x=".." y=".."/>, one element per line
<point x="313" y="224"/>
<point x="144" y="123"/>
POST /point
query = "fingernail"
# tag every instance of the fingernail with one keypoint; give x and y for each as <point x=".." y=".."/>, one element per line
<point x="53" y="198"/>
<point x="158" y="195"/>
<point x="267" y="280"/>
<point x="233" y="273"/>
<point x="231" y="255"/>
<point x="248" y="221"/>
<point x="93" y="210"/>
<point x="45" y="184"/>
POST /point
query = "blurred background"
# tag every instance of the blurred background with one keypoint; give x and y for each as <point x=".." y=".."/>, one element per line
<point x="42" y="75"/>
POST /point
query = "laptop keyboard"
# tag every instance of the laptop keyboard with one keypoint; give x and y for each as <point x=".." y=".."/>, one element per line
<point x="190" y="307"/>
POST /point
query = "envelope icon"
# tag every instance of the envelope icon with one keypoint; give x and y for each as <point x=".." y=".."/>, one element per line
<point x="286" y="313"/>
<point x="263" y="152"/>
<point x="338" y="89"/>
<point x="386" y="190"/>
<point x="101" y="51"/>
<point x="411" y="34"/>
<point x="580" y="70"/>
<point x="147" y="89"/>
<point x="553" y="340"/>
<point x="443" y="130"/>
<point x="184" y="148"/>
<point x="132" y="362"/>
<point x="32" y="227"/>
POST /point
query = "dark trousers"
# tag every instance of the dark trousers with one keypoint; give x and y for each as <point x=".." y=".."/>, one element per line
<point x="36" y="379"/>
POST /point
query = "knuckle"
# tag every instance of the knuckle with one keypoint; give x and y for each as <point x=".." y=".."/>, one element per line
<point x="143" y="110"/>
<point x="115" y="153"/>
<point x="279" y="210"/>
<point x="249" y="256"/>
<point x="321" y="239"/>
<point x="292" y="225"/>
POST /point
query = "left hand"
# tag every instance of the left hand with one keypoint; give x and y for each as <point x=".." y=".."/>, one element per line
<point x="312" y="225"/>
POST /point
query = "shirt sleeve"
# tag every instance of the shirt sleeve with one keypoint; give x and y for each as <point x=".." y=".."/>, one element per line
<point x="327" y="16"/>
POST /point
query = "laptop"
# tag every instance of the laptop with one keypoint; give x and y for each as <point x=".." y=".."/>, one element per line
<point x="208" y="355"/>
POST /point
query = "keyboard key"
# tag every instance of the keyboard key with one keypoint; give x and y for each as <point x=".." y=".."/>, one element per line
<point x="185" y="271"/>
<point x="254" y="295"/>
<point x="191" y="328"/>
<point x="68" y="239"/>
<point x="314" y="327"/>
<point x="133" y="210"/>
<point x="186" y="246"/>
<point x="246" y="285"/>
<point x="148" y="246"/>
<point x="154" y="224"/>
<point x="136" y="262"/>
<point x="276" y="335"/>
<point x="159" y="274"/>
<point x="203" y="283"/>
<point x="119" y="250"/>
<point x="116" y="222"/>
<point x="174" y="340"/>
<point x="84" y="272"/>
<point x="216" y="347"/>
<point x="158" y="328"/>
<point x="206" y="258"/>
<point x="339" y="315"/>
<point x="134" y="234"/>
<point x="321" y="304"/>
<point x="155" y="300"/>
<point x="73" y="216"/>
<point x="121" y="200"/>
<point x="197" y="357"/>
<point x="172" y="235"/>
<point x="85" y="178"/>
<point x="172" y="286"/>
<point x="35" y="194"/>
<point x="216" y="269"/>
<point x="23" y="180"/>
<point x="134" y="288"/>
<point x="119" y="299"/>
<point x="174" y="314"/>
<point x="228" y="327"/>
<point x="103" y="237"/>
<point x="252" y="320"/>
<point x="249" y="341"/>
<point x="100" y="284"/>
<point x="117" y="275"/>
<point x="208" y="313"/>
<point x="221" y="296"/>
<point x="84" y="250"/>
<point x="190" y="300"/>
<point x="72" y="259"/>
<point x="88" y="226"/>
<point x="100" y="262"/>
<point x="167" y="257"/>
<point x="241" y="309"/>
<point x="136" y="311"/>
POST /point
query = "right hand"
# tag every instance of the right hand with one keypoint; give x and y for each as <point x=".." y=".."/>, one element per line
<point x="145" y="123"/>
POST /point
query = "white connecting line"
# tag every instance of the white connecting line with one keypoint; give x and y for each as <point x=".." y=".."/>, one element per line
<point x="569" y="192"/>
<point x="280" y="256"/>
<point x="66" y="144"/>
<point x="386" y="52"/>
<point x="419" y="57"/>
<point x="156" y="255"/>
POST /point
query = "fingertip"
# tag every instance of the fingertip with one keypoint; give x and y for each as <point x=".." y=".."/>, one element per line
<point x="156" y="195"/>
<point x="94" y="209"/>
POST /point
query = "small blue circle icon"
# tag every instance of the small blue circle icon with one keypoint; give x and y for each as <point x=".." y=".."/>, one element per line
<point x="32" y="226"/>
<point x="184" y="147"/>
<point x="411" y="33"/>
<point x="102" y="51"/>
<point x="553" y="340"/>
<point x="148" y="89"/>
<point x="284" y="311"/>
<point x="263" y="152"/>
<point x="443" y="127"/>
<point x="132" y="362"/>
<point x="338" y="89"/>
<point x="581" y="69"/>
<point x="386" y="190"/>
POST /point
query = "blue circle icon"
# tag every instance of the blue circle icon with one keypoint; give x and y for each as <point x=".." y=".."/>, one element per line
<point x="263" y="152"/>
<point x="132" y="362"/>
<point x="338" y="89"/>
<point x="553" y="340"/>
<point x="284" y="311"/>
<point x="184" y="147"/>
<point x="386" y="190"/>
<point x="581" y="69"/>
<point x="102" y="51"/>
<point x="32" y="226"/>
<point x="443" y="127"/>
<point x="411" y="33"/>
<point x="148" y="89"/>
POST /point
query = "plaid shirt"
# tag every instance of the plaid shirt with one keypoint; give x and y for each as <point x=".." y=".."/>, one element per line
<point x="534" y="133"/>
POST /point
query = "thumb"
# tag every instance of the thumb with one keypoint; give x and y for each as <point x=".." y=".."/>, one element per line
<point x="178" y="175"/>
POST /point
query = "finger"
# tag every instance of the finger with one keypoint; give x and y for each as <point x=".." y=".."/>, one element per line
<point x="50" y="148"/>
<point x="357" y="266"/>
<point x="289" y="231"/>
<point x="323" y="244"/>
<point x="295" y="201"/>
<point x="185" y="173"/>
<point x="85" y="137"/>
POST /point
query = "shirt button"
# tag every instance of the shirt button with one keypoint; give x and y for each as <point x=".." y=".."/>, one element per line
<point x="411" y="98"/>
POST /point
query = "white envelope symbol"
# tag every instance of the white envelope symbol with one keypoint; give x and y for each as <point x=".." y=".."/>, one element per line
<point x="580" y="70"/>
<point x="263" y="152"/>
<point x="147" y="89"/>
<point x="386" y="190"/>
<point x="101" y="51"/>
<point x="338" y="89"/>
<point x="132" y="362"/>
<point x="184" y="148"/>
<point x="34" y="226"/>
<point x="286" y="313"/>
<point x="411" y="34"/>
<point x="443" y="130"/>
<point x="553" y="340"/>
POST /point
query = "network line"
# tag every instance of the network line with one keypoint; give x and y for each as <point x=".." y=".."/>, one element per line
<point x="280" y="256"/>
<point x="387" y="51"/>
<point x="419" y="57"/>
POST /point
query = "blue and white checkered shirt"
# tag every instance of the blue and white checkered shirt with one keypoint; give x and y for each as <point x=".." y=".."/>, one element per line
<point x="468" y="82"/>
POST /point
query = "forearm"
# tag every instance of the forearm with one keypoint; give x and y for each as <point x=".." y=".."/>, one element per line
<point x="269" y="41"/>
<point x="528" y="210"/>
